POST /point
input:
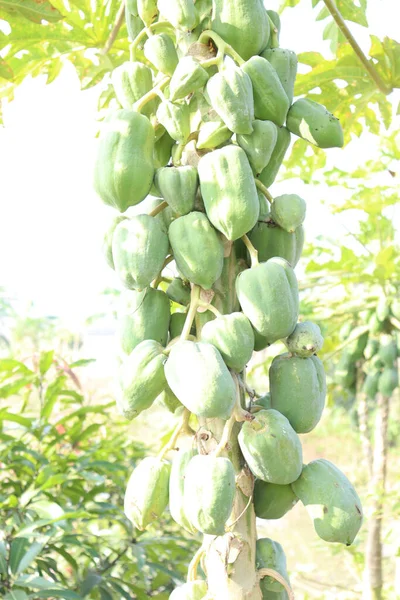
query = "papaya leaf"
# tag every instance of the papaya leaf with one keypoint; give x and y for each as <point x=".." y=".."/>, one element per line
<point x="33" y="10"/>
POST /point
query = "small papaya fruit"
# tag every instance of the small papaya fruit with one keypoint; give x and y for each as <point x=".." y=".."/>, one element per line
<point x="275" y="29"/>
<point x="177" y="323"/>
<point x="233" y="336"/>
<point x="265" y="210"/>
<point x="131" y="81"/>
<point x="169" y="400"/>
<point x="134" y="23"/>
<point x="288" y="211"/>
<point x="271" y="447"/>
<point x="260" y="342"/>
<point x="209" y="491"/>
<point x="176" y="119"/>
<point x="298" y="390"/>
<point x="147" y="10"/>
<point x="270" y="555"/>
<point x="197" y="249"/>
<point x="383" y="309"/>
<point x="188" y="77"/>
<point x="179" y="291"/>
<point x="285" y="64"/>
<point x="176" y="488"/>
<point x="387" y="349"/>
<point x="271" y="241"/>
<point x="160" y="50"/>
<point x="162" y="150"/>
<point x="305" y="340"/>
<point x="264" y="401"/>
<point x="268" y="295"/>
<point x="370" y="384"/>
<point x="356" y="348"/>
<point x="199" y="378"/>
<point x="228" y="190"/>
<point x="375" y="325"/>
<point x="139" y="249"/>
<point x="259" y="144"/>
<point x="192" y="590"/>
<point x="146" y="495"/>
<point x="107" y="240"/>
<point x="178" y="186"/>
<point x="330" y="500"/>
<point x="268" y="175"/>
<point x="345" y="371"/>
<point x="273" y="501"/>
<point x="212" y="134"/>
<point x="395" y="308"/>
<point x="180" y="13"/>
<point x="314" y="123"/>
<point x="388" y="381"/>
<point x="371" y="349"/>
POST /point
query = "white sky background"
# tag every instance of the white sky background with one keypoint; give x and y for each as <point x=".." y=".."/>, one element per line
<point x="51" y="221"/>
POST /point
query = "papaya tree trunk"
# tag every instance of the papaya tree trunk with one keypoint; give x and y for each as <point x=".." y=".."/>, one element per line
<point x="363" y="424"/>
<point x="373" y="569"/>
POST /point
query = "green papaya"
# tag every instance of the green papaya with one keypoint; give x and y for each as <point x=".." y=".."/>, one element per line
<point x="383" y="309"/>
<point x="305" y="340"/>
<point x="178" y="186"/>
<point x="233" y="336"/>
<point x="143" y="316"/>
<point x="161" y="52"/>
<point x="269" y="298"/>
<point x="192" y="590"/>
<point x="134" y="23"/>
<point x="177" y="323"/>
<point x="179" y="291"/>
<point x="197" y="375"/>
<point x="260" y="341"/>
<point x="259" y="144"/>
<point x="298" y="390"/>
<point x="197" y="249"/>
<point x="147" y="10"/>
<point x="273" y="501"/>
<point x="270" y="100"/>
<point x="188" y="77"/>
<point x="124" y="166"/>
<point x="162" y="150"/>
<point x="275" y="29"/>
<point x="371" y="349"/>
<point x="376" y="326"/>
<point x="131" y="81"/>
<point x="231" y="96"/>
<point x="139" y="249"/>
<point x="142" y="378"/>
<point x="265" y="210"/>
<point x="146" y="495"/>
<point x="212" y="134"/>
<point x="370" y="384"/>
<point x="107" y="240"/>
<point x="209" y="491"/>
<point x="312" y="122"/>
<point x="176" y="120"/>
<point x="387" y="350"/>
<point x="285" y="64"/>
<point x="388" y="381"/>
<point x="242" y="25"/>
<point x="330" y="500"/>
<point x="264" y="401"/>
<point x="270" y="555"/>
<point x="271" y="241"/>
<point x="271" y="447"/>
<point x="356" y="348"/>
<point x="229" y="192"/>
<point x="395" y="308"/>
<point x="288" y="211"/>
<point x="345" y="371"/>
<point x="268" y="175"/>
<point x="180" y="13"/>
<point x="176" y="488"/>
<point x="169" y="400"/>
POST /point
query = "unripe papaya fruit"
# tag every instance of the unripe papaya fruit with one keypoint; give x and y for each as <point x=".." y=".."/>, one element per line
<point x="188" y="77"/>
<point x="180" y="13"/>
<point x="270" y="100"/>
<point x="179" y="291"/>
<point x="285" y="64"/>
<point x="197" y="375"/>
<point x="275" y="29"/>
<point x="345" y="371"/>
<point x="107" y="240"/>
<point x="269" y="298"/>
<point x="305" y="340"/>
<point x="268" y="175"/>
<point x="371" y="349"/>
<point x="273" y="501"/>
<point x="209" y="491"/>
<point x="330" y="500"/>
<point x="193" y="590"/>
<point x="260" y="342"/>
<point x="178" y="186"/>
<point x="243" y="25"/>
<point x="370" y="385"/>
<point x="169" y="400"/>
<point x="271" y="447"/>
<point x="139" y="249"/>
<point x="376" y="326"/>
<point x="146" y="495"/>
<point x="177" y="323"/>
<point x="134" y="23"/>
<point x="143" y="316"/>
<point x="356" y="348"/>
<point x="388" y="381"/>
<point x="395" y="308"/>
<point x="142" y="378"/>
<point x="312" y="122"/>
<point x="387" y="350"/>
<point x="161" y="52"/>
<point x="271" y="241"/>
<point x="383" y="309"/>
<point x="131" y="81"/>
<point x="212" y="134"/>
<point x="197" y="249"/>
<point x="147" y="10"/>
<point x="233" y="336"/>
<point x="124" y="166"/>
<point x="270" y="555"/>
<point x="176" y="488"/>
<point x="264" y="401"/>
<point x="264" y="209"/>
<point x="176" y="120"/>
<point x="228" y="190"/>
<point x="231" y="96"/>
<point x="259" y="144"/>
<point x="298" y="390"/>
<point x="162" y="150"/>
<point x="288" y="211"/>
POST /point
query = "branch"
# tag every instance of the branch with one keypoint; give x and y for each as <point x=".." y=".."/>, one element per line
<point x="114" y="31"/>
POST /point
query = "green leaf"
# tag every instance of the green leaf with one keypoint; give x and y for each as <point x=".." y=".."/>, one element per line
<point x="18" y="548"/>
<point x="34" y="10"/>
<point x="3" y="558"/>
<point x="45" y="362"/>
<point x="24" y="421"/>
<point x="83" y="362"/>
<point x="57" y="593"/>
<point x="34" y="582"/>
<point x="5" y="70"/>
<point x="15" y="595"/>
<point x="30" y="555"/>
<point x="91" y="580"/>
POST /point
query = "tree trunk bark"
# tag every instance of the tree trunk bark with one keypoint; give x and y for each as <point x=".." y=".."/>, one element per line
<point x="362" y="410"/>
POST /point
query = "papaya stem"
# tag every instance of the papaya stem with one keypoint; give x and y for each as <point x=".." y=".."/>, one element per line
<point x="222" y="46"/>
<point x="231" y="525"/>
<point x="264" y="190"/>
<point x="183" y="425"/>
<point x="249" y="391"/>
<point x="210" y="62"/>
<point x="146" y="31"/>
<point x="194" y="303"/>
<point x="274" y="33"/>
<point x="261" y="573"/>
<point x="158" y="209"/>
<point x="226" y="434"/>
<point x="159" y="278"/>
<point x="252" y="251"/>
<point x="178" y="153"/>
<point x="194" y="563"/>
<point x="138" y="106"/>
<point x="211" y="308"/>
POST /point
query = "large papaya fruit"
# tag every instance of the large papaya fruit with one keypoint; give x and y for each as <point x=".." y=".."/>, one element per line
<point x="124" y="166"/>
<point x="370" y="384"/>
<point x="330" y="500"/>
<point x="188" y="77"/>
<point x="197" y="249"/>
<point x="176" y="119"/>
<point x="107" y="240"/>
<point x="192" y="590"/>
<point x="298" y="390"/>
<point x="305" y="340"/>
<point x="161" y="52"/>
<point x="270" y="100"/>
<point x="146" y="495"/>
<point x="285" y="64"/>
<point x="288" y="211"/>
<point x="176" y="488"/>
<point x="312" y="122"/>
<point x="233" y="336"/>
<point x="270" y="555"/>
<point x="259" y="144"/>
<point x="269" y="298"/>
<point x="180" y="13"/>
<point x="162" y="150"/>
<point x="179" y="291"/>
<point x="243" y="25"/>
<point x="388" y="381"/>
<point x="271" y="447"/>
<point x="268" y="175"/>
<point x="271" y="241"/>
<point x="209" y="491"/>
<point x="273" y="501"/>
<point x="178" y="186"/>
<point x="197" y="375"/>
<point x="139" y="249"/>
<point x="142" y="316"/>
<point x="142" y="378"/>
<point x="131" y="81"/>
<point x="387" y="349"/>
<point x="212" y="134"/>
<point x="228" y="190"/>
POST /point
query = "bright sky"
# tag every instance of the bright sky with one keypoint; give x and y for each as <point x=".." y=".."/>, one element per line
<point x="51" y="222"/>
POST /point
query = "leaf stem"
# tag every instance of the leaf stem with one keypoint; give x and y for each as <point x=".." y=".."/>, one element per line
<point x="278" y="577"/>
<point x="264" y="190"/>
<point x="114" y="31"/>
<point x="222" y="46"/>
<point x="138" y="106"/>
<point x="194" y="304"/>
<point x="192" y="570"/>
<point x="158" y="209"/>
<point x="252" y="251"/>
<point x="183" y="425"/>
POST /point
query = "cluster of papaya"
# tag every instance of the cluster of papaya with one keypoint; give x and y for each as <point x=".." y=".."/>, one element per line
<point x="206" y="118"/>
